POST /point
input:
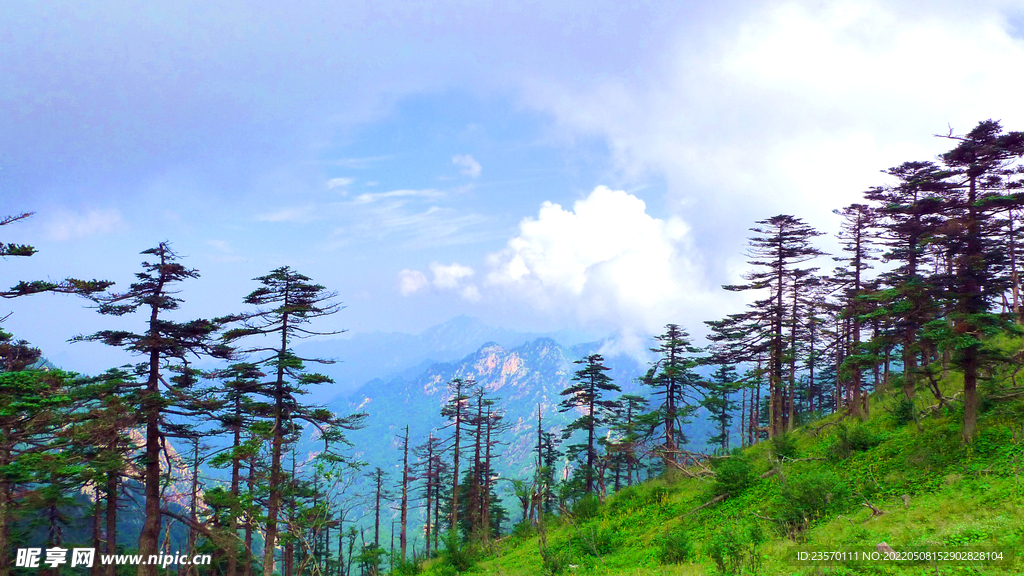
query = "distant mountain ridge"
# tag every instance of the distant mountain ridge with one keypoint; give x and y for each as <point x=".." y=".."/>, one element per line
<point x="383" y="356"/>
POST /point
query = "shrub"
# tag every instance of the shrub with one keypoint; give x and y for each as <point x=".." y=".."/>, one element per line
<point x="903" y="412"/>
<point x="603" y="539"/>
<point x="456" y="554"/>
<point x="848" y="440"/>
<point x="405" y="567"/>
<point x="524" y="530"/>
<point x="732" y="475"/>
<point x="784" y="446"/>
<point x="803" y="498"/>
<point x="675" y="546"/>
<point x="553" y="562"/>
<point x="586" y="507"/>
<point x="734" y="550"/>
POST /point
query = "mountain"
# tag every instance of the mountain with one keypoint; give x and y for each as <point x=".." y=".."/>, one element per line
<point x="385" y="356"/>
<point x="519" y="378"/>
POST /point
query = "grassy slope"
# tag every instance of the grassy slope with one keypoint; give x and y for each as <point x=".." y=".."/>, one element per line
<point x="958" y="496"/>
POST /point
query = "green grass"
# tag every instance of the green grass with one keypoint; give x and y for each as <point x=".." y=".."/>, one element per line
<point x="934" y="493"/>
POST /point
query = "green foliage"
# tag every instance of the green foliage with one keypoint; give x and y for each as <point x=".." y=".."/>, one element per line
<point x="458" y="556"/>
<point x="599" y="539"/>
<point x="586" y="507"/>
<point x="523" y="531"/>
<point x="735" y="550"/>
<point x="554" y="562"/>
<point x="675" y="546"/>
<point x="784" y="446"/>
<point x="848" y="440"/>
<point x="732" y="475"/>
<point x="806" y="497"/>
<point x="405" y="567"/>
<point x="903" y="412"/>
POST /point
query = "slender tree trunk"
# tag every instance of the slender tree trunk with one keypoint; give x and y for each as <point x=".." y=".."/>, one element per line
<point x="973" y="304"/>
<point x="111" y="511"/>
<point x="405" y="489"/>
<point x="455" y="464"/>
<point x="150" y="535"/>
<point x="193" y="536"/>
<point x="236" y="473"/>
<point x="590" y="443"/>
<point x="6" y="503"/>
<point x="249" y="556"/>
<point x="97" y="530"/>
<point x="274" y="504"/>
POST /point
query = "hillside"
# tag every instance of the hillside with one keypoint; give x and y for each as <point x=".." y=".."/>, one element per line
<point x="832" y="484"/>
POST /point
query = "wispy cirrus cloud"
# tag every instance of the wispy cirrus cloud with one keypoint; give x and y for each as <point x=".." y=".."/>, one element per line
<point x="339" y="182"/>
<point x="429" y="194"/>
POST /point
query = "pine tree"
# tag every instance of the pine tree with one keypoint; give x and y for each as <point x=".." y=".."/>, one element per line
<point x="984" y="169"/>
<point x="781" y="243"/>
<point x="164" y="343"/>
<point x="719" y="404"/>
<point x="910" y="213"/>
<point x="455" y="410"/>
<point x="590" y="384"/>
<point x="858" y="236"/>
<point x="286" y="302"/>
<point x="677" y="386"/>
<point x="23" y="288"/>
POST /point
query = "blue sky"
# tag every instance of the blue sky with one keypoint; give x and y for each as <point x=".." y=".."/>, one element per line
<point x="585" y="165"/>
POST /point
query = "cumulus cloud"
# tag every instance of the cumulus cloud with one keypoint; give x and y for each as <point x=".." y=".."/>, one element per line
<point x="470" y="167"/>
<point x="470" y="293"/>
<point x="795" y="106"/>
<point x="74" y="225"/>
<point x="446" y="277"/>
<point x="410" y="281"/>
<point x="449" y="276"/>
<point x="605" y="260"/>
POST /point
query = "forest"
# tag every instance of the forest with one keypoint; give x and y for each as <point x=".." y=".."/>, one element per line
<point x="206" y="446"/>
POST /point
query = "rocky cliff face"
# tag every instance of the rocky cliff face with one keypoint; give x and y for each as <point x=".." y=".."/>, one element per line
<point x="520" y="379"/>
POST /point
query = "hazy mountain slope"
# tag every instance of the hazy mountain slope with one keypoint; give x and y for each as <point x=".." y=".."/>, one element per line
<point x="378" y="355"/>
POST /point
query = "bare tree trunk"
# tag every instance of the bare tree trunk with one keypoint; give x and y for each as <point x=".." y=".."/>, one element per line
<point x="405" y="489"/>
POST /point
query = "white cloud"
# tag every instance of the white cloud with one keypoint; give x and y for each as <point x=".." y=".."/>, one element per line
<point x="470" y="293"/>
<point x="339" y="182"/>
<point x="410" y="281"/>
<point x="449" y="277"/>
<point x="67" y="225"/>
<point x="606" y="260"/>
<point x="793" y="106"/>
<point x="470" y="167"/>
<point x="369" y="197"/>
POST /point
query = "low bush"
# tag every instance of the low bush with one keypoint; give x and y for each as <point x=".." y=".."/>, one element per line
<point x="784" y="446"/>
<point x="735" y="549"/>
<point x="456" y="554"/>
<point x="586" y="507"/>
<point x="675" y="546"/>
<point x="732" y="475"/>
<point x="806" y="497"/>
<point x="850" y="439"/>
